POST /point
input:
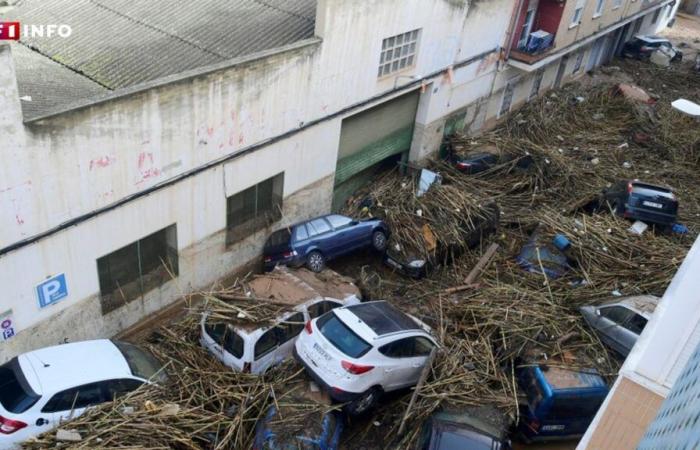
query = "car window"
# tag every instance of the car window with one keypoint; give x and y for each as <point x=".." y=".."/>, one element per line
<point x="341" y="336"/>
<point x="278" y="238"/>
<point x="266" y="343"/>
<point x="122" y="386"/>
<point x="337" y="221"/>
<point x="564" y="407"/>
<point x="291" y="329"/>
<point x="300" y="233"/>
<point x="617" y="314"/>
<point x="322" y="307"/>
<point x="407" y="348"/>
<point x="74" y="398"/>
<point x="16" y="396"/>
<point x="320" y="226"/>
<point x="226" y="337"/>
<point x="635" y="324"/>
<point x="142" y="363"/>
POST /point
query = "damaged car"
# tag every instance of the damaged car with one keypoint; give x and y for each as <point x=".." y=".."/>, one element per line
<point x="636" y="200"/>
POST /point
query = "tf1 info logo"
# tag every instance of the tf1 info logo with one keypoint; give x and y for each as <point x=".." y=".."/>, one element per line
<point x="13" y="31"/>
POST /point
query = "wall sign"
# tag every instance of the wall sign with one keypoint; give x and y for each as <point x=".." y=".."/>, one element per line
<point x="52" y="290"/>
<point x="7" y="325"/>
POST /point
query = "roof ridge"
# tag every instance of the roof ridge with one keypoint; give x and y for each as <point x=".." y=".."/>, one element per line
<point x="160" y="30"/>
<point x="277" y="8"/>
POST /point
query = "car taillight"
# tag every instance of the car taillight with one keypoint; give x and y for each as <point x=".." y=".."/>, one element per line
<point x="246" y="367"/>
<point x="629" y="188"/>
<point x="355" y="369"/>
<point x="288" y="254"/>
<point x="646" y="48"/>
<point x="308" y="328"/>
<point x="268" y="259"/>
<point x="9" y="426"/>
<point x="533" y="424"/>
<point x="463" y="165"/>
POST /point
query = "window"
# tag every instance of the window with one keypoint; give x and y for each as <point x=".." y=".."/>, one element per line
<point x="223" y="335"/>
<point x="527" y="26"/>
<point x="637" y="26"/>
<point x="536" y="83"/>
<point x="579" y="61"/>
<point x="132" y="271"/>
<point x="656" y="16"/>
<point x="507" y="98"/>
<point x="15" y="394"/>
<point x="635" y="324"/>
<point x="617" y="4"/>
<point x="141" y="363"/>
<point x="574" y="407"/>
<point x="337" y="221"/>
<point x="578" y="12"/>
<point x="253" y="209"/>
<point x="617" y="314"/>
<point x="398" y="53"/>
<point x="266" y="343"/>
<point x="117" y="388"/>
<point x="293" y="325"/>
<point x="318" y="226"/>
<point x="300" y="233"/>
<point x="598" y="8"/>
<point x="79" y="397"/>
<point x="341" y="336"/>
<point x="407" y="348"/>
<point x="322" y="307"/>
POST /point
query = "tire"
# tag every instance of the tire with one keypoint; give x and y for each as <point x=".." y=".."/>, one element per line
<point x="315" y="261"/>
<point x="379" y="241"/>
<point x="364" y="403"/>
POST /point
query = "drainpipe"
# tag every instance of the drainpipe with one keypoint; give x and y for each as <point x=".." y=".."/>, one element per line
<point x="515" y="18"/>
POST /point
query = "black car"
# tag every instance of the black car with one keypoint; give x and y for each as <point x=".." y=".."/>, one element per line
<point x="315" y="241"/>
<point x="455" y="431"/>
<point x="633" y="199"/>
<point x="475" y="163"/>
<point x="641" y="47"/>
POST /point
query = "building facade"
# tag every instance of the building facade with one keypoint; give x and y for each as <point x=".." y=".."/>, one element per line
<point x="142" y="162"/>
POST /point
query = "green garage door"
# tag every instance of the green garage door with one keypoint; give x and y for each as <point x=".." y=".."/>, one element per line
<point x="369" y="139"/>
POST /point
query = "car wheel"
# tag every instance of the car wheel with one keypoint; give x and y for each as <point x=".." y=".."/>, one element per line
<point x="379" y="241"/>
<point x="363" y="403"/>
<point x="315" y="261"/>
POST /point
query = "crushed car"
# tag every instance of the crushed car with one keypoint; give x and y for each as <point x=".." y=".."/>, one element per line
<point x="314" y="242"/>
<point x="290" y="298"/>
<point x="642" y="47"/>
<point x="545" y="257"/>
<point x="358" y="353"/>
<point x="446" y="430"/>
<point x="637" y="200"/>
<point x="619" y="322"/>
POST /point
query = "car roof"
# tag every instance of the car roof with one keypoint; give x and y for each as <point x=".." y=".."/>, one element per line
<point x="383" y="318"/>
<point x="53" y="369"/>
<point x="559" y="378"/>
<point x="651" y="39"/>
<point x="641" y="304"/>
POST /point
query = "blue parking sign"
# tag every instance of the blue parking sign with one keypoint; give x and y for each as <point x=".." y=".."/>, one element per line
<point x="52" y="290"/>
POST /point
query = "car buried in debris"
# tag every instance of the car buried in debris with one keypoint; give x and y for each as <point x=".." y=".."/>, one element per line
<point x="314" y="242"/>
<point x="298" y="296"/>
<point x="641" y="47"/>
<point x="619" y="322"/>
<point x="42" y="388"/>
<point x="357" y="353"/>
<point x="636" y="200"/>
<point x="448" y="430"/>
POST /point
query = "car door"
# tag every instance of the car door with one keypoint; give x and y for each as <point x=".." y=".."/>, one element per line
<point x="405" y="360"/>
<point x="264" y="350"/>
<point x="288" y="331"/>
<point x="609" y="328"/>
<point x="347" y="236"/>
<point x="71" y="403"/>
<point x="322" y="236"/>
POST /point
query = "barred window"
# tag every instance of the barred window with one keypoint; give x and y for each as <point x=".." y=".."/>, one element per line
<point x="536" y="84"/>
<point x="398" y="52"/>
<point x="255" y="208"/>
<point x="130" y="272"/>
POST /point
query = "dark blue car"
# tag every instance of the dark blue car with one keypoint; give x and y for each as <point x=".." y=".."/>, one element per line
<point x="561" y="403"/>
<point x="318" y="240"/>
<point x="323" y="435"/>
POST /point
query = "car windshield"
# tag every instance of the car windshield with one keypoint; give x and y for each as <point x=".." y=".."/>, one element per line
<point x="455" y="439"/>
<point x="15" y="394"/>
<point x="651" y="191"/>
<point x="278" y="238"/>
<point x="341" y="336"/>
<point x="142" y="364"/>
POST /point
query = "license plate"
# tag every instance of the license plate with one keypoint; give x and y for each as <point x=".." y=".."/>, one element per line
<point x="652" y="204"/>
<point x="322" y="352"/>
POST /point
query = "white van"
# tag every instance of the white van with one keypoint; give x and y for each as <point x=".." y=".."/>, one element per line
<point x="252" y="348"/>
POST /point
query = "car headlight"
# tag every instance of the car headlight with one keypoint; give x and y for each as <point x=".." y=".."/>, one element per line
<point x="418" y="263"/>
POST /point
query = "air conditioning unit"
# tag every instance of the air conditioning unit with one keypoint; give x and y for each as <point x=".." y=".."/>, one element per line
<point x="539" y="40"/>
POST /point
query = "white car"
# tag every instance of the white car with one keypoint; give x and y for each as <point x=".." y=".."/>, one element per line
<point x="42" y="388"/>
<point x="358" y="352"/>
<point x="250" y="348"/>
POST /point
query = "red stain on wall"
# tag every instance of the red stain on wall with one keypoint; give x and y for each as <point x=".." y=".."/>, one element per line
<point x="102" y="162"/>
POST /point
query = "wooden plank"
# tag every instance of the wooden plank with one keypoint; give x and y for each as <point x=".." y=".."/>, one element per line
<point x="481" y="265"/>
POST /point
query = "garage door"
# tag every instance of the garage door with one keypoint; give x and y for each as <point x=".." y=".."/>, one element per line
<point x="369" y="139"/>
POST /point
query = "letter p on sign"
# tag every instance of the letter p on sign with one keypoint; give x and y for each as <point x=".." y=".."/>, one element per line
<point x="52" y="290"/>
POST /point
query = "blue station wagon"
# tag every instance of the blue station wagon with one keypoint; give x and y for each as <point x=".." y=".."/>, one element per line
<point x="318" y="240"/>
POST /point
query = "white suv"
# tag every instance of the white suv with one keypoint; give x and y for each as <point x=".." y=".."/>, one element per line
<point x="251" y="348"/>
<point x="42" y="388"/>
<point x="359" y="352"/>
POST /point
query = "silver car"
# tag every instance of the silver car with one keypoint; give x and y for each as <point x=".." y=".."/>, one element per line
<point x="619" y="322"/>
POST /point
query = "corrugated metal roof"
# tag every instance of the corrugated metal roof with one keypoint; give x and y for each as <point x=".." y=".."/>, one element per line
<point x="121" y="43"/>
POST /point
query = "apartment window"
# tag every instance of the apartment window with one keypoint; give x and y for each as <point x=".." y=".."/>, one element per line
<point x="132" y="271"/>
<point x="398" y="52"/>
<point x="507" y="98"/>
<point x="536" y="83"/>
<point x="578" y="12"/>
<point x="579" y="61"/>
<point x="656" y="16"/>
<point x="617" y="4"/>
<point x="599" y="8"/>
<point x="255" y="208"/>
<point x="527" y="26"/>
<point x="637" y="26"/>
